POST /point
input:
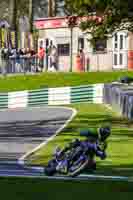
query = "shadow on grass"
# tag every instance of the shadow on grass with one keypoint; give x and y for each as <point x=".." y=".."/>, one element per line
<point x="88" y="120"/>
<point x="94" y="119"/>
<point x="115" y="170"/>
<point x="124" y="133"/>
<point x="103" y="118"/>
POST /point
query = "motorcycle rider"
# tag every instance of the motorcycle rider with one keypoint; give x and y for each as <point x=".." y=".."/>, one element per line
<point x="95" y="144"/>
<point x="94" y="135"/>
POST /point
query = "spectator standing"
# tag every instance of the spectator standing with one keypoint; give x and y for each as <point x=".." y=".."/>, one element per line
<point x="54" y="58"/>
<point x="33" y="60"/>
<point x="5" y="60"/>
<point x="13" y="60"/>
<point x="82" y="60"/>
<point x="22" y="53"/>
<point x="41" y="54"/>
<point x="28" y="60"/>
<point x="49" y="53"/>
<point x="0" y="60"/>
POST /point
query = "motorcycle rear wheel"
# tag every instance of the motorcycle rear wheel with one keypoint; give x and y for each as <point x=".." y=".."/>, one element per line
<point x="78" y="169"/>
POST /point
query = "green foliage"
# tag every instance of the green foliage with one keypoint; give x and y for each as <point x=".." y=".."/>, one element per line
<point x="6" y="7"/>
<point x="113" y="15"/>
<point x="3" y="9"/>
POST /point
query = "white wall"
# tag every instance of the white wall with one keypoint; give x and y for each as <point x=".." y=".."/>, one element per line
<point x="97" y="61"/>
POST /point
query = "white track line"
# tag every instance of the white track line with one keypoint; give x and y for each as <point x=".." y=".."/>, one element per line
<point x="21" y="160"/>
<point x="102" y="177"/>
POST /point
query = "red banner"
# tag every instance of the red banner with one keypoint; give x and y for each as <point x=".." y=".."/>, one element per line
<point x="59" y="22"/>
<point x="51" y="23"/>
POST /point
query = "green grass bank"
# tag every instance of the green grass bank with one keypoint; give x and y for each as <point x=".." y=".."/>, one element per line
<point x="27" y="82"/>
<point x="33" y="189"/>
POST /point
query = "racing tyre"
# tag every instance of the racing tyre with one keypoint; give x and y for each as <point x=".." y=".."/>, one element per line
<point x="50" y="171"/>
<point x="75" y="169"/>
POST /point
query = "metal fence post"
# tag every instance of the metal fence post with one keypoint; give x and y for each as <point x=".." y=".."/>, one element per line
<point x="71" y="51"/>
<point x="98" y="66"/>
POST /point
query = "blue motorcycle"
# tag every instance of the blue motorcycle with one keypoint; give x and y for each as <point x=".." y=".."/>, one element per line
<point x="76" y="157"/>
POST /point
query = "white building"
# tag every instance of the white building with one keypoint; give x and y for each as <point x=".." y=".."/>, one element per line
<point x="108" y="55"/>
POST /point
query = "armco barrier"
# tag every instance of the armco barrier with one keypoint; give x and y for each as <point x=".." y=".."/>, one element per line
<point x="120" y="97"/>
<point x="3" y="100"/>
<point x="52" y="96"/>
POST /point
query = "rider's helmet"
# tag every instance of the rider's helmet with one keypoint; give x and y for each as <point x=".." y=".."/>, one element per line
<point x="104" y="132"/>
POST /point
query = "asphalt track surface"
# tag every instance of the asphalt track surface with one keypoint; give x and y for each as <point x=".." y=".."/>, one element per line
<point x="23" y="130"/>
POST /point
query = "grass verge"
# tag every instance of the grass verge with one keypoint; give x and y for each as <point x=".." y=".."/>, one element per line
<point x="32" y="189"/>
<point x="27" y="82"/>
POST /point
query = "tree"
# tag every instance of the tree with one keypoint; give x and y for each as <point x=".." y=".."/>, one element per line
<point x="111" y="15"/>
<point x="12" y="10"/>
<point x="31" y="15"/>
<point x="4" y="9"/>
<point x="14" y="20"/>
<point x="17" y="9"/>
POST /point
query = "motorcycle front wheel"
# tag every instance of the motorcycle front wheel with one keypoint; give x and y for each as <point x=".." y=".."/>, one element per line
<point x="50" y="169"/>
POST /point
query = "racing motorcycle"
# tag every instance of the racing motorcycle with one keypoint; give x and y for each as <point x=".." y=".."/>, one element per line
<point x="76" y="157"/>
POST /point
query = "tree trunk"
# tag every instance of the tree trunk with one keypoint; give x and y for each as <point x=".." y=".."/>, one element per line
<point x="51" y="8"/>
<point x="13" y="18"/>
<point x="71" y="50"/>
<point x="31" y="15"/>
